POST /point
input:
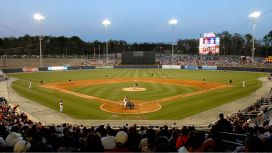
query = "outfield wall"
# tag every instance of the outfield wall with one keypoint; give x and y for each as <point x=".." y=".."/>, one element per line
<point x="188" y="67"/>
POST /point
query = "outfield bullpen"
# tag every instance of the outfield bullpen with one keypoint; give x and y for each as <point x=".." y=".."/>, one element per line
<point x="169" y="94"/>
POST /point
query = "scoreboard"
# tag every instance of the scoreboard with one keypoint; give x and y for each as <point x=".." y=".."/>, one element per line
<point x="209" y="44"/>
<point x="138" y="57"/>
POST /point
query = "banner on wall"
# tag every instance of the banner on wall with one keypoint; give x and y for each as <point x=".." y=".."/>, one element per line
<point x="209" y="67"/>
<point x="104" y="67"/>
<point x="191" y="67"/>
<point x="170" y="66"/>
<point x="56" y="68"/>
<point x="30" y="69"/>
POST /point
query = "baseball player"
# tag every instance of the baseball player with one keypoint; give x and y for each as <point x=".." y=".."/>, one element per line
<point x="29" y="85"/>
<point x="125" y="101"/>
<point x="61" y="106"/>
<point x="244" y="84"/>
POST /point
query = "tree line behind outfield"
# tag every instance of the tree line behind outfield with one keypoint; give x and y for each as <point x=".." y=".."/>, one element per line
<point x="230" y="44"/>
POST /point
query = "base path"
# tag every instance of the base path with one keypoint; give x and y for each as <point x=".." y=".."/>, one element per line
<point x="49" y="116"/>
<point x="140" y="106"/>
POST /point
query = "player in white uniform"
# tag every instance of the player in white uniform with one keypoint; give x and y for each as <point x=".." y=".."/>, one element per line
<point x="61" y="106"/>
<point x="29" y="85"/>
<point x="244" y="84"/>
<point x="125" y="101"/>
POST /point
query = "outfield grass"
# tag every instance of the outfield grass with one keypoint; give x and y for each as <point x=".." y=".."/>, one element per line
<point x="177" y="109"/>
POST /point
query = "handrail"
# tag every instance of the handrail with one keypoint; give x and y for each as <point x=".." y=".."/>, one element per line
<point x="237" y="134"/>
<point x="226" y="141"/>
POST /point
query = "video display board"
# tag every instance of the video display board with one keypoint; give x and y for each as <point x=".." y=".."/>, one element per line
<point x="209" y="44"/>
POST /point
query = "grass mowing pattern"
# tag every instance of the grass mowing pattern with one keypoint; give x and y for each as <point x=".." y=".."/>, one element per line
<point x="177" y="109"/>
<point x="114" y="91"/>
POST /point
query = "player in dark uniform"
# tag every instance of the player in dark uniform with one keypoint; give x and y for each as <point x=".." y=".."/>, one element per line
<point x="230" y="82"/>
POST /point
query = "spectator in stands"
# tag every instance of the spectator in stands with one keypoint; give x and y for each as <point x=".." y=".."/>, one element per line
<point x="133" y="139"/>
<point x="182" y="139"/>
<point x="108" y="141"/>
<point x="252" y="144"/>
<point x="39" y="143"/>
<point x="121" y="139"/>
<point x="209" y="145"/>
<point x="222" y="125"/>
<point x="93" y="143"/>
<point x="146" y="144"/>
<point x="13" y="137"/>
<point x="267" y="142"/>
<point x="2" y="143"/>
<point x="161" y="144"/>
<point x="21" y="146"/>
<point x="194" y="143"/>
<point x="174" y="136"/>
<point x="142" y="132"/>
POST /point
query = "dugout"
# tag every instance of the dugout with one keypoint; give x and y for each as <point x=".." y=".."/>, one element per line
<point x="138" y="57"/>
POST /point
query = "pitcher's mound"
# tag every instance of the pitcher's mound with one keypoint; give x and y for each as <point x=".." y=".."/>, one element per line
<point x="132" y="89"/>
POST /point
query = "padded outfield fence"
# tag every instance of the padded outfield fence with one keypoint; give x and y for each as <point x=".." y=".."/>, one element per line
<point x="189" y="67"/>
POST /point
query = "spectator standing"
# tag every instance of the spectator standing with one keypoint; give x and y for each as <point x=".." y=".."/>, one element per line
<point x="222" y="125"/>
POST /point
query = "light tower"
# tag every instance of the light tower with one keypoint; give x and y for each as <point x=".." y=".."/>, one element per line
<point x="39" y="18"/>
<point x="254" y="15"/>
<point x="106" y="23"/>
<point x="172" y="22"/>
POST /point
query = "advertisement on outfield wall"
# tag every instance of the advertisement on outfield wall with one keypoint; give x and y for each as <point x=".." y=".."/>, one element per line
<point x="30" y="69"/>
<point x="56" y="68"/>
<point x="171" y="67"/>
<point x="104" y="67"/>
<point x="190" y="67"/>
<point x="209" y="67"/>
<point x="209" y="44"/>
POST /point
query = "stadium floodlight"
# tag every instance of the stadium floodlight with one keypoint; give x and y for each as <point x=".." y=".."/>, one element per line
<point x="172" y="22"/>
<point x="106" y="23"/>
<point x="39" y="18"/>
<point x="254" y="15"/>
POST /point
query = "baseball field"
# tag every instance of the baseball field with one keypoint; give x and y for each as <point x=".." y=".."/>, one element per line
<point x="157" y="94"/>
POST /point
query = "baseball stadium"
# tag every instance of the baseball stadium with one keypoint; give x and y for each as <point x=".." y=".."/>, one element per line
<point x="211" y="93"/>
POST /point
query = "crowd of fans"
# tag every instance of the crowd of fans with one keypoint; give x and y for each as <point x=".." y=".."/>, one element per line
<point x="210" y="60"/>
<point x="196" y="60"/>
<point x="19" y="134"/>
<point x="103" y="61"/>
